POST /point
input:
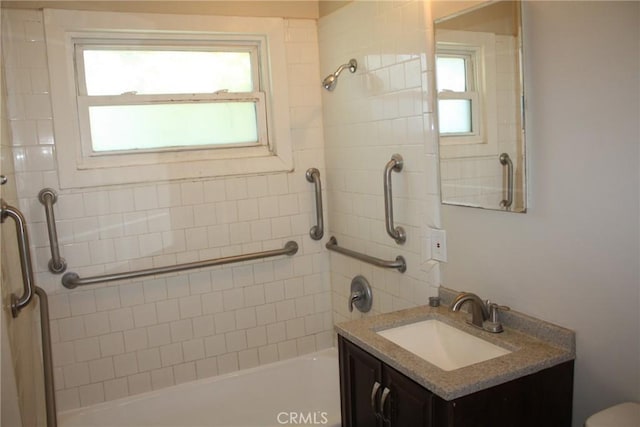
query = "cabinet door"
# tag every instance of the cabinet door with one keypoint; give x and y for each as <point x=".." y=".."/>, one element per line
<point x="359" y="373"/>
<point x="541" y="399"/>
<point x="408" y="403"/>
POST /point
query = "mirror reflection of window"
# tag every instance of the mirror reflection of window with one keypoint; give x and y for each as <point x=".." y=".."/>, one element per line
<point x="460" y="99"/>
<point x="453" y="79"/>
<point x="452" y="73"/>
<point x="479" y="105"/>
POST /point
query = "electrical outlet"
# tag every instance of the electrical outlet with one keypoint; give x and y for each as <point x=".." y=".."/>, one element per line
<point x="439" y="245"/>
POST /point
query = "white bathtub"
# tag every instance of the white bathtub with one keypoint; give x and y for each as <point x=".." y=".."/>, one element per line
<point x="301" y="392"/>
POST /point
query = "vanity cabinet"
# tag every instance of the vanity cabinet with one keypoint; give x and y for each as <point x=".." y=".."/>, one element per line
<point x="374" y="394"/>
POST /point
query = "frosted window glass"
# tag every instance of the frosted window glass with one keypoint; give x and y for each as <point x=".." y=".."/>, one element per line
<point x="150" y="72"/>
<point x="138" y="127"/>
<point x="454" y="116"/>
<point x="451" y="74"/>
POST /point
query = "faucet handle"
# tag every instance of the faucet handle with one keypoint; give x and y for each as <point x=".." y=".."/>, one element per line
<point x="493" y="324"/>
<point x="361" y="296"/>
<point x="355" y="296"/>
<point x="493" y="310"/>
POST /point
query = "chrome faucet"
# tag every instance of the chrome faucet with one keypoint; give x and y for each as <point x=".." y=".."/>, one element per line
<point x="479" y="311"/>
<point x="484" y="315"/>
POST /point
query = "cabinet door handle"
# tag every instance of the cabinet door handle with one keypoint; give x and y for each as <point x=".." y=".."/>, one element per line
<point x="374" y="393"/>
<point x="383" y="399"/>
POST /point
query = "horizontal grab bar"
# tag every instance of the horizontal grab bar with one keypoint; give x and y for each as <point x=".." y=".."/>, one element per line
<point x="72" y="280"/>
<point x="399" y="264"/>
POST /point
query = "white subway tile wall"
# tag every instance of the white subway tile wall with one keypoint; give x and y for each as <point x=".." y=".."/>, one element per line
<point x="22" y="332"/>
<point x="115" y="340"/>
<point x="382" y="109"/>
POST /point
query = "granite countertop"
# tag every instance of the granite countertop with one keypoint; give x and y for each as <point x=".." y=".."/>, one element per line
<point x="534" y="344"/>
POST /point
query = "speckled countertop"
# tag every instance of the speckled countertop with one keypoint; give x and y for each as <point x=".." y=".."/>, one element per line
<point x="534" y="344"/>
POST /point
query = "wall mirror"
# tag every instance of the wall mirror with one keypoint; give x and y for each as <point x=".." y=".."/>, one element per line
<point x="480" y="107"/>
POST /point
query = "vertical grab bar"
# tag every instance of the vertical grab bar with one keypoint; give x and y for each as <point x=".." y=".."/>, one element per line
<point x="48" y="197"/>
<point x="505" y="160"/>
<point x="47" y="359"/>
<point x="397" y="233"/>
<point x="317" y="231"/>
<point x="18" y="303"/>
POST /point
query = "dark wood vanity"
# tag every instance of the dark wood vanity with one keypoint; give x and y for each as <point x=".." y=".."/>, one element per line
<point x="373" y="394"/>
<point x="383" y="384"/>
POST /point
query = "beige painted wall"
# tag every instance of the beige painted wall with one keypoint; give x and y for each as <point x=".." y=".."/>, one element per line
<point x="325" y="7"/>
<point x="496" y="18"/>
<point x="572" y="259"/>
<point x="286" y="9"/>
<point x="442" y="8"/>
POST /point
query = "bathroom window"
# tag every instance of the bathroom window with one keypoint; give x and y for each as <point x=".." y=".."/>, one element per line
<point x="152" y="97"/>
<point x="145" y="97"/>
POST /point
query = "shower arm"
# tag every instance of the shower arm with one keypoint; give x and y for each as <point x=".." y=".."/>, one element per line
<point x="352" y="65"/>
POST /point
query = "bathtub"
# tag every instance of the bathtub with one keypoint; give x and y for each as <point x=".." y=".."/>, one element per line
<point x="297" y="392"/>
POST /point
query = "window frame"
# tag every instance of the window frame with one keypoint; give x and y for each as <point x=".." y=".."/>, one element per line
<point x="471" y="94"/>
<point x="480" y="47"/>
<point x="80" y="166"/>
<point x="86" y="101"/>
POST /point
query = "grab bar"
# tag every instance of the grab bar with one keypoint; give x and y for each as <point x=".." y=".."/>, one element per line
<point x="505" y="160"/>
<point x="18" y="303"/>
<point x="397" y="233"/>
<point x="399" y="264"/>
<point x="47" y="359"/>
<point x="48" y="197"/>
<point x="72" y="280"/>
<point x="317" y="231"/>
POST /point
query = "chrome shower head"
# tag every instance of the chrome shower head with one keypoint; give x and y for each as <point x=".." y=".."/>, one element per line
<point x="330" y="82"/>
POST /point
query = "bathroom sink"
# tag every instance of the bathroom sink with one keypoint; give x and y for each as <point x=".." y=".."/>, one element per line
<point x="443" y="345"/>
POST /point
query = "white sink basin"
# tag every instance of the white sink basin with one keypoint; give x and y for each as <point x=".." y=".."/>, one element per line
<point x="446" y="347"/>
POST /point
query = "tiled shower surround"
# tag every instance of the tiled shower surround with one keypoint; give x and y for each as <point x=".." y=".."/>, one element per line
<point x="20" y="343"/>
<point x="385" y="108"/>
<point x="115" y="340"/>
